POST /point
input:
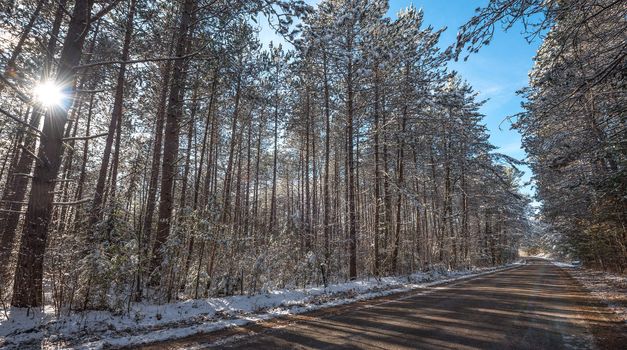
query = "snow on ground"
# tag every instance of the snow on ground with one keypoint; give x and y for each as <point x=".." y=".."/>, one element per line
<point x="564" y="264"/>
<point x="608" y="287"/>
<point x="146" y="323"/>
<point x="541" y="256"/>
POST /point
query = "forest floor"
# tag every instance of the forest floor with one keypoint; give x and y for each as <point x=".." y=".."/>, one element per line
<point x="150" y="323"/>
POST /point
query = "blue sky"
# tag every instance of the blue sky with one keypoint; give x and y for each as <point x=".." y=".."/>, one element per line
<point x="496" y="72"/>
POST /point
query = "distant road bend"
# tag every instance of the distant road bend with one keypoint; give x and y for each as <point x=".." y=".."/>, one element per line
<point x="536" y="306"/>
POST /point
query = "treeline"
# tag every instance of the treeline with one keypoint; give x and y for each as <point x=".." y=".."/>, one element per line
<point x="188" y="161"/>
<point x="573" y="125"/>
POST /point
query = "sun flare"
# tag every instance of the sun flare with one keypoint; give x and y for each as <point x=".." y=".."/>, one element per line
<point x="49" y="93"/>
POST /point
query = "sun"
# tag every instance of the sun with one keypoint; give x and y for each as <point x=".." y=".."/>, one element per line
<point x="49" y="94"/>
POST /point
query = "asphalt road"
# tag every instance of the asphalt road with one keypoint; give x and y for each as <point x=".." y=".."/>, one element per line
<point x="536" y="306"/>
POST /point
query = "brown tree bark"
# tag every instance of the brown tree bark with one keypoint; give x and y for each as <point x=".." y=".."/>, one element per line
<point x="208" y="122"/>
<point x="83" y="173"/>
<point x="327" y="150"/>
<point x="399" y="198"/>
<point x="188" y="152"/>
<point x="15" y="193"/>
<point x="256" y="186"/>
<point x="306" y="188"/>
<point x="228" y="175"/>
<point x="377" y="178"/>
<point x="157" y="146"/>
<point x="352" y="221"/>
<point x="170" y="145"/>
<point x="116" y="115"/>
<point x="275" y="157"/>
<point x="27" y="291"/>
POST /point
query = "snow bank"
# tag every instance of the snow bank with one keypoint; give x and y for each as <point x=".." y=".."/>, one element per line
<point x="610" y="288"/>
<point x="564" y="264"/>
<point x="146" y="323"/>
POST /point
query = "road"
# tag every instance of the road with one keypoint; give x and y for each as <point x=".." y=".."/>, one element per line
<point x="536" y="306"/>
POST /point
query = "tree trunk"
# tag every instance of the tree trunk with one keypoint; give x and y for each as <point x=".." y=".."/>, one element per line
<point x="399" y="199"/>
<point x="155" y="166"/>
<point x="27" y="291"/>
<point x="116" y="115"/>
<point x="188" y="153"/>
<point x="306" y="189"/>
<point x="352" y="224"/>
<point x="275" y="157"/>
<point x="327" y="146"/>
<point x="377" y="179"/>
<point x="170" y="145"/>
<point x="15" y="193"/>
<point x="208" y="122"/>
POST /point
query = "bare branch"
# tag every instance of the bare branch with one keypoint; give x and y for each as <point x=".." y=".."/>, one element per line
<point x="12" y="211"/>
<point x="13" y="202"/>
<point x="30" y="153"/>
<point x="142" y="60"/>
<point x="23" y="174"/>
<point x="78" y="202"/>
<point x="104" y="11"/>
<point x="20" y="121"/>
<point x="20" y="94"/>
<point x="85" y="138"/>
